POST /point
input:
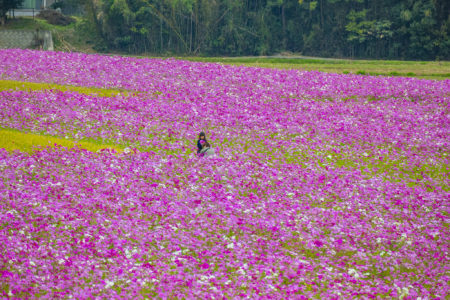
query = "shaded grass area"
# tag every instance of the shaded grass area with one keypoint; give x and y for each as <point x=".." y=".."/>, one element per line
<point x="419" y="69"/>
<point x="12" y="140"/>
<point x="24" y="86"/>
<point x="26" y="23"/>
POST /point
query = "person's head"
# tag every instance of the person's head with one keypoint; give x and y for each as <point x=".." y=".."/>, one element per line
<point x="202" y="136"/>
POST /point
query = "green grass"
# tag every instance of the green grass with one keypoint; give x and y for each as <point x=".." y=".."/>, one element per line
<point x="22" y="23"/>
<point x="25" y="86"/>
<point x="30" y="23"/>
<point x="420" y="69"/>
<point x="12" y="140"/>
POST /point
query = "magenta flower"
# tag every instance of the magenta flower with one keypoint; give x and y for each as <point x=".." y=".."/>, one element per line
<point x="323" y="185"/>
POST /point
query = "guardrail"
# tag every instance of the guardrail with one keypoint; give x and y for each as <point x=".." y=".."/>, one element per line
<point x="23" y="12"/>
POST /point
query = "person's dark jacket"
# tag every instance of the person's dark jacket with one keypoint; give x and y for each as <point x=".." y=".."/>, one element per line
<point x="199" y="146"/>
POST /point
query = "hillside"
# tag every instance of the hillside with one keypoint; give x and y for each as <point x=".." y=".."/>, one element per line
<point x="75" y="37"/>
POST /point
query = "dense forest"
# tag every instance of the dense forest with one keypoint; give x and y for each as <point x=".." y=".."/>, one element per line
<point x="401" y="29"/>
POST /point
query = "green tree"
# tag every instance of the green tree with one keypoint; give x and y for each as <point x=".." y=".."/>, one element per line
<point x="5" y="6"/>
<point x="367" y="32"/>
<point x="403" y="29"/>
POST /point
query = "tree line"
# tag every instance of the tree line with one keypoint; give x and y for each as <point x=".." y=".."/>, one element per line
<point x="401" y="29"/>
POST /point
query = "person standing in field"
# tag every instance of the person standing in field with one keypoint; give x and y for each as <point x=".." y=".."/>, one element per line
<point x="201" y="137"/>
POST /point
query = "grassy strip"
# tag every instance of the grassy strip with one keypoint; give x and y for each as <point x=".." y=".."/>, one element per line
<point x="420" y="69"/>
<point x="361" y="70"/>
<point x="30" y="23"/>
<point x="23" y="86"/>
<point x="303" y="61"/>
<point x="12" y="140"/>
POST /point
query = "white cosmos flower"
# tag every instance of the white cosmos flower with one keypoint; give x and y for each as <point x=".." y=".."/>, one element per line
<point x="108" y="284"/>
<point x="354" y="273"/>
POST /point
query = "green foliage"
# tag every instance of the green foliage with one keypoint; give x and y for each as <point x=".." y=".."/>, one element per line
<point x="312" y="5"/>
<point x="6" y="5"/>
<point x="352" y="28"/>
<point x="361" y="30"/>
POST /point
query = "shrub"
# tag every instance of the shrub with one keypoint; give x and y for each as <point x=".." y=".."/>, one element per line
<point x="54" y="17"/>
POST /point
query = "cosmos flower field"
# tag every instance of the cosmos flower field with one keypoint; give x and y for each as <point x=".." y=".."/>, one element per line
<point x="324" y="186"/>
